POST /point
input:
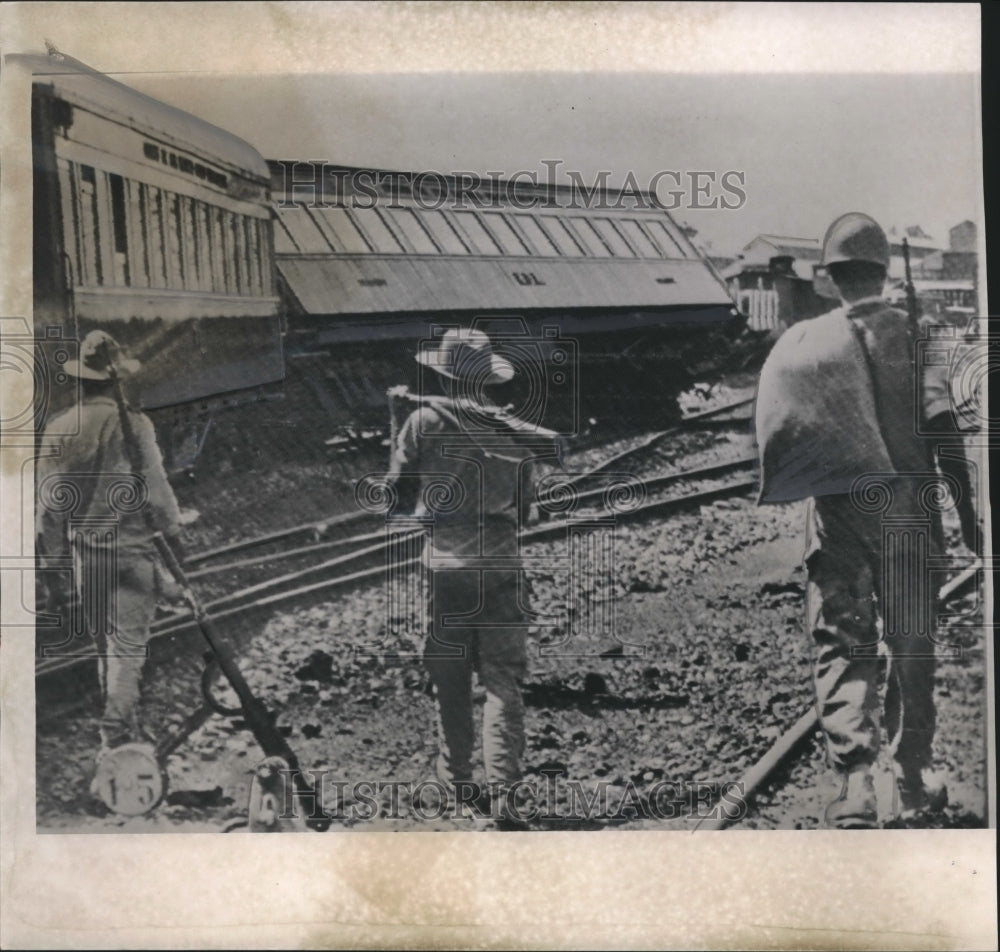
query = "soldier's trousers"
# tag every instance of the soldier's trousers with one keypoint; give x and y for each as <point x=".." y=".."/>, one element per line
<point x="846" y="588"/>
<point x="954" y="463"/>
<point x="119" y="603"/>
<point x="491" y="639"/>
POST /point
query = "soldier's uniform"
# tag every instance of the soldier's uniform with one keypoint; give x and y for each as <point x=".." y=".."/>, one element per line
<point x="116" y="569"/>
<point x="940" y="420"/>
<point x="479" y="600"/>
<point x="836" y="403"/>
<point x="847" y="565"/>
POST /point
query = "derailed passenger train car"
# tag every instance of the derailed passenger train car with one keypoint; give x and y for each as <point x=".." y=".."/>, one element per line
<point x="155" y="226"/>
<point x="371" y="262"/>
<point x="162" y="229"/>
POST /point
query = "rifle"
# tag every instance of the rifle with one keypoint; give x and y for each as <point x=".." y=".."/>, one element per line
<point x="255" y="714"/>
<point x="912" y="305"/>
<point x="501" y="417"/>
<point x="913" y="311"/>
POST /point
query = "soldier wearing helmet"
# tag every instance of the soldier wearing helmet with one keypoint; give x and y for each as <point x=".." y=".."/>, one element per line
<point x="835" y="413"/>
<point x="114" y="560"/>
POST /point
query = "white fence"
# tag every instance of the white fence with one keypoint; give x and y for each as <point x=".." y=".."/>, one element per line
<point x="761" y="307"/>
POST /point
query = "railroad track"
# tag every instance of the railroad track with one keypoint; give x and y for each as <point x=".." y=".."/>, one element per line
<point x="360" y="557"/>
<point x="711" y="418"/>
<point x="368" y="555"/>
<point x="792" y="740"/>
<point x="368" y="562"/>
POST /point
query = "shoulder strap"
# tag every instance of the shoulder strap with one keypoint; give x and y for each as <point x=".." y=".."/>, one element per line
<point x="100" y="459"/>
<point x="870" y="363"/>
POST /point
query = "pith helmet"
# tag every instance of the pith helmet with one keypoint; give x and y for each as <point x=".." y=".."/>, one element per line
<point x="99" y="350"/>
<point x="856" y="237"/>
<point x="466" y="354"/>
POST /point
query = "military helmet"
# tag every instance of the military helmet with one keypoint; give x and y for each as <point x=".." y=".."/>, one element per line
<point x="855" y="237"/>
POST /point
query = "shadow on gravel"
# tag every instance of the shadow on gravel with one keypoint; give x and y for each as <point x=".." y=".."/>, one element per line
<point x="198" y="799"/>
<point x="952" y="820"/>
<point x="561" y="697"/>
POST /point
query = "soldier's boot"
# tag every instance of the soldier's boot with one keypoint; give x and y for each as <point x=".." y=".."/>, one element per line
<point x="856" y="807"/>
<point x="918" y="791"/>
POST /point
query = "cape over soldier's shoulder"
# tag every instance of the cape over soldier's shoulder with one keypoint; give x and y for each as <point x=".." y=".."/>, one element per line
<point x="67" y="423"/>
<point x="106" y="407"/>
<point x="62" y="423"/>
<point x="95" y="412"/>
<point x="887" y="314"/>
<point x="141" y="423"/>
<point x="806" y="332"/>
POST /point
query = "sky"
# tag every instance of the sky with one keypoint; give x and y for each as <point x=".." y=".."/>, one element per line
<point x="902" y="148"/>
<point x="822" y="108"/>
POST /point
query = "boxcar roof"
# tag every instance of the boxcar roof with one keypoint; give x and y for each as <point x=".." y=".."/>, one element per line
<point x="79" y="82"/>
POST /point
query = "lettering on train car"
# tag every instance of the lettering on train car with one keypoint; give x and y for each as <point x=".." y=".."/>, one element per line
<point x="153" y="152"/>
<point x="158" y="232"/>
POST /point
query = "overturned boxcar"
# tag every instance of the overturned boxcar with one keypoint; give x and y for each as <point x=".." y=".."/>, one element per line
<point x="598" y="295"/>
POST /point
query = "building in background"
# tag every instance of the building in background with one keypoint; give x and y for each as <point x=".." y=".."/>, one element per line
<point x="922" y="246"/>
<point x="773" y="279"/>
<point x="944" y="279"/>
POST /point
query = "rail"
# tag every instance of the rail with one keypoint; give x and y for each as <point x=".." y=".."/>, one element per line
<point x="646" y="484"/>
<point x="316" y="527"/>
<point x="265" y="595"/>
<point x="655" y="438"/>
<point x="791" y="738"/>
